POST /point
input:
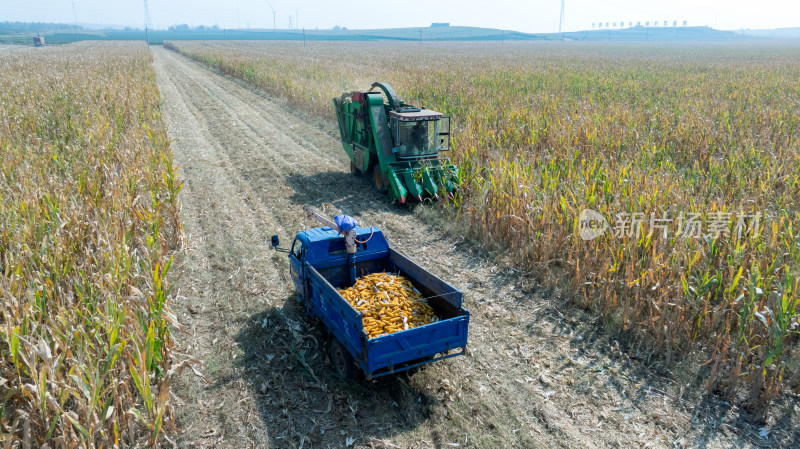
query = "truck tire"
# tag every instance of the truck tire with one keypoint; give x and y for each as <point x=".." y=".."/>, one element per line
<point x="341" y="360"/>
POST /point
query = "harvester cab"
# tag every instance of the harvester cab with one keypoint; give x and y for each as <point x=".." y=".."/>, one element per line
<point x="398" y="144"/>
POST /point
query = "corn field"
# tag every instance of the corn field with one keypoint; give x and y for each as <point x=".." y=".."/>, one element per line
<point x="689" y="155"/>
<point x="88" y="223"/>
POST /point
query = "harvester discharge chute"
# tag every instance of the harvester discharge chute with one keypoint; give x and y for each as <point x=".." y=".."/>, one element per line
<point x="397" y="144"/>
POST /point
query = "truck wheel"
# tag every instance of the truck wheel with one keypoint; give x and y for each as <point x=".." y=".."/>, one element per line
<point x="341" y="360"/>
<point x="354" y="170"/>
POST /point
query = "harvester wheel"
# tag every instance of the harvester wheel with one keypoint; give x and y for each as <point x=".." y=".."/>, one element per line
<point x="354" y="170"/>
<point x="342" y="361"/>
<point x="380" y="181"/>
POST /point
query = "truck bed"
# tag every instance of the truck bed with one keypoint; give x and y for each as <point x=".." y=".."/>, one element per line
<point x="400" y="350"/>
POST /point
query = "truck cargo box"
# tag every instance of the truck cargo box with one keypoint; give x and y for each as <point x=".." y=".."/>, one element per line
<point x="319" y="267"/>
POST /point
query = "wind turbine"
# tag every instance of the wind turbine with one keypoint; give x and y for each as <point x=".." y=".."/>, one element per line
<point x="273" y="15"/>
<point x="561" y="18"/>
<point x="76" y="21"/>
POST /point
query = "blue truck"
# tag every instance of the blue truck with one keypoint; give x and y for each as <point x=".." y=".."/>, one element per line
<point x="321" y="261"/>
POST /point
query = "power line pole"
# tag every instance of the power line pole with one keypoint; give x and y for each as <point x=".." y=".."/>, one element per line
<point x="146" y="22"/>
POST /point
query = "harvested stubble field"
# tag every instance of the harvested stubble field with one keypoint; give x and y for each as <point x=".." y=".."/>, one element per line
<point x="88" y="222"/>
<point x="690" y="153"/>
<point x="534" y="376"/>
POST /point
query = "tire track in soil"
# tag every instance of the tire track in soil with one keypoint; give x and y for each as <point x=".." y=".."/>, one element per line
<point x="248" y="163"/>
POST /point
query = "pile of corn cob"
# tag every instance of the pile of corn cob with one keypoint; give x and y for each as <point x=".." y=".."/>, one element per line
<point x="388" y="303"/>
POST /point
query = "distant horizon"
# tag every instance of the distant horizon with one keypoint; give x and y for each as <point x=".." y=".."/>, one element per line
<point x="533" y="17"/>
<point x="112" y="27"/>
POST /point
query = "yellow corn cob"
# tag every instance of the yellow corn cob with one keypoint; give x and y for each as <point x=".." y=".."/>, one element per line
<point x="388" y="303"/>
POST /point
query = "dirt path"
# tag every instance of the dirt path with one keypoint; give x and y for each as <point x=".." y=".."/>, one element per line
<point x="532" y="377"/>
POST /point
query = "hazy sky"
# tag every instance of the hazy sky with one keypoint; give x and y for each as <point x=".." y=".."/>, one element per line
<point x="527" y="16"/>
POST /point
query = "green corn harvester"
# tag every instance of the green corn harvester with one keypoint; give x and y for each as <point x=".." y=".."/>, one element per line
<point x="397" y="144"/>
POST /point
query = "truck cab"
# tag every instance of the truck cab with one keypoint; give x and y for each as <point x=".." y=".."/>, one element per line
<point x="324" y="249"/>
